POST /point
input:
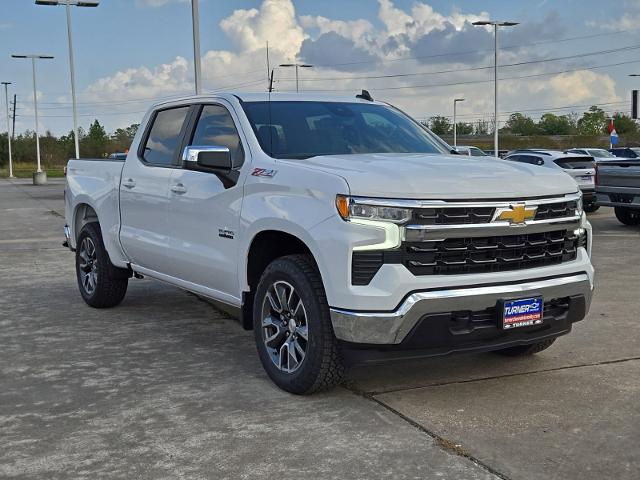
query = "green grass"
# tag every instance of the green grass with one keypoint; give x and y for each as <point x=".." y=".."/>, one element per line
<point x="25" y="170"/>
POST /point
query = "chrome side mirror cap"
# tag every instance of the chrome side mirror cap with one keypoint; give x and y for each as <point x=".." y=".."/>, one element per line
<point x="215" y="158"/>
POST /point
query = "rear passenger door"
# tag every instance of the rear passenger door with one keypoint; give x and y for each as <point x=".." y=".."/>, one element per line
<point x="204" y="210"/>
<point x="144" y="189"/>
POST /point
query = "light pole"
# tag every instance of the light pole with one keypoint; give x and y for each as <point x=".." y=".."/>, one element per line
<point x="495" y="73"/>
<point x="68" y="4"/>
<point x="195" y="16"/>
<point x="455" y="125"/>
<point x="296" y="65"/>
<point x="39" y="177"/>
<point x="6" y="96"/>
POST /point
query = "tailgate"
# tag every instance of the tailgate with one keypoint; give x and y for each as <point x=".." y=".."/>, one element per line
<point x="624" y="173"/>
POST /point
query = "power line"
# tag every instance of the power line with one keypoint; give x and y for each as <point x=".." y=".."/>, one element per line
<point x="458" y="70"/>
<point x="472" y="82"/>
<point x="468" y="52"/>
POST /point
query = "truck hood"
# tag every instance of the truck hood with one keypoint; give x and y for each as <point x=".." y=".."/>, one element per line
<point x="434" y="176"/>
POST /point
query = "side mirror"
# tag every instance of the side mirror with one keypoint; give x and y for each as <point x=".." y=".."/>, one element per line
<point x="215" y="159"/>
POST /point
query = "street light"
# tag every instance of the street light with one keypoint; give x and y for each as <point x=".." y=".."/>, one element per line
<point x="39" y="177"/>
<point x="68" y="4"/>
<point x="195" y="16"/>
<point x="495" y="24"/>
<point x="6" y="96"/>
<point x="297" y="65"/>
<point x="455" y="125"/>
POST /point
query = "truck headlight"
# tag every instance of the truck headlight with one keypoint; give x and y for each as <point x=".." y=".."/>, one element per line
<point x="579" y="208"/>
<point x="352" y="208"/>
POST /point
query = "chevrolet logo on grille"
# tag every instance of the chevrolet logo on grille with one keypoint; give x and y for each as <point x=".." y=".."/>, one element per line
<point x="516" y="214"/>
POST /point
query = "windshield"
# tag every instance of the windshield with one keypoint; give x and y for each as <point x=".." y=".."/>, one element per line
<point x="308" y="129"/>
<point x="601" y="153"/>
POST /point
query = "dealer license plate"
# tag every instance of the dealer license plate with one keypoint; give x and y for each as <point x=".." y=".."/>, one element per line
<point x="523" y="312"/>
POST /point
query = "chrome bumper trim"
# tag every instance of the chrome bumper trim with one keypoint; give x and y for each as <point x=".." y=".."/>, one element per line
<point x="393" y="327"/>
<point x="419" y="233"/>
<point x="405" y="203"/>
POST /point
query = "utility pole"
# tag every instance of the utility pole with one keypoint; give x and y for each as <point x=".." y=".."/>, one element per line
<point x="495" y="25"/>
<point x="6" y="97"/>
<point x="13" y="128"/>
<point x="269" y="79"/>
<point x="455" y="125"/>
<point x="195" y="16"/>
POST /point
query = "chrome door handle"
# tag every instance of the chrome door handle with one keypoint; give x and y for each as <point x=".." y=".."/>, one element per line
<point x="179" y="189"/>
<point x="128" y="183"/>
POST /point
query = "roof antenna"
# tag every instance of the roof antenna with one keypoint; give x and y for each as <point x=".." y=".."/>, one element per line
<point x="365" y="95"/>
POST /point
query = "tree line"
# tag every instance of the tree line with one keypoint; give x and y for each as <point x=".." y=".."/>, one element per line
<point x="95" y="142"/>
<point x="593" y="122"/>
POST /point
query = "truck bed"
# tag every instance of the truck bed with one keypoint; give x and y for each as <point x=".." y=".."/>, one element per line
<point x="94" y="183"/>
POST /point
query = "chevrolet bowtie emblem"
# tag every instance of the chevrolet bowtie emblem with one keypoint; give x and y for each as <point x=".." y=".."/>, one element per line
<point x="516" y="214"/>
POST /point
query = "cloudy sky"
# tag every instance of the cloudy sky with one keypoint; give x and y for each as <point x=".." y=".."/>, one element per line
<point x="417" y="54"/>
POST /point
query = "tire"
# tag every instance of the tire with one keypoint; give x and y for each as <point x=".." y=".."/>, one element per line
<point x="627" y="216"/>
<point x="291" y="304"/>
<point x="101" y="284"/>
<point x="592" y="207"/>
<point x="525" y="350"/>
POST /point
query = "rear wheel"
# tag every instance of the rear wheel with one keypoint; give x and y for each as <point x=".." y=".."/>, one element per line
<point x="628" y="216"/>
<point x="292" y="327"/>
<point x="525" y="350"/>
<point x="101" y="284"/>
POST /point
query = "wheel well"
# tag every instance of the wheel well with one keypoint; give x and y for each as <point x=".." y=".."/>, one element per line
<point x="265" y="248"/>
<point x="84" y="214"/>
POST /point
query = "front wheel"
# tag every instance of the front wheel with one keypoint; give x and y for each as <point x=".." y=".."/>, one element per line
<point x="627" y="216"/>
<point x="101" y="284"/>
<point x="292" y="327"/>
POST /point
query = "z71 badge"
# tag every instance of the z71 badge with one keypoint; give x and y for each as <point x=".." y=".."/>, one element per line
<point x="263" y="172"/>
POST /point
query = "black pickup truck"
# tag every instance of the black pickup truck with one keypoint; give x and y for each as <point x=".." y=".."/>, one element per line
<point x="618" y="186"/>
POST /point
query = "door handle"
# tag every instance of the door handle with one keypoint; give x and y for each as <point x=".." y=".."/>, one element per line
<point x="179" y="189"/>
<point x="129" y="183"/>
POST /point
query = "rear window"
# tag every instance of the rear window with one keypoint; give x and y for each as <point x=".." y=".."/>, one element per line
<point x="162" y="143"/>
<point x="575" y="162"/>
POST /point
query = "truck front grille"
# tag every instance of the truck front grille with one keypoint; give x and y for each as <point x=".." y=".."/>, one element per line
<point x="455" y="256"/>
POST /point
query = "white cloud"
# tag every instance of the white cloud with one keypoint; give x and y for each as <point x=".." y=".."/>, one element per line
<point x="419" y="30"/>
<point x="274" y="22"/>
<point x="359" y="31"/>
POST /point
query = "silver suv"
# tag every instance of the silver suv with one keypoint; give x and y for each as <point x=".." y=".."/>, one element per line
<point x="579" y="166"/>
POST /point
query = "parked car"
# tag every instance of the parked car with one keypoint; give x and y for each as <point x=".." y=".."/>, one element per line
<point x="470" y="151"/>
<point x="338" y="228"/>
<point x="618" y="186"/>
<point x="117" y="156"/>
<point x="596" y="153"/>
<point x="580" y="167"/>
<point x="626" y="152"/>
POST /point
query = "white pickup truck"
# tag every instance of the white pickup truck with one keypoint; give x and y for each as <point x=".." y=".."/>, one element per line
<point x="339" y="228"/>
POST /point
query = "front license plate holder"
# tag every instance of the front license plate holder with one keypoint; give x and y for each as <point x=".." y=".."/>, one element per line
<point x="520" y="312"/>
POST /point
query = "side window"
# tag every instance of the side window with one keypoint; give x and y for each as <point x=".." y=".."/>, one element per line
<point x="216" y="128"/>
<point x="164" y="137"/>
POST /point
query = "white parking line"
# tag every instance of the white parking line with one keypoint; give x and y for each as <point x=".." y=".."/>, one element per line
<point x="31" y="240"/>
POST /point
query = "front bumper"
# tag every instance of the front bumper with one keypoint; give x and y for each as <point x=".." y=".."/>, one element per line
<point x="393" y="328"/>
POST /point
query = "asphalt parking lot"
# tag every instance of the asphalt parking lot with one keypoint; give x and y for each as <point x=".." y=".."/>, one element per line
<point x="165" y="386"/>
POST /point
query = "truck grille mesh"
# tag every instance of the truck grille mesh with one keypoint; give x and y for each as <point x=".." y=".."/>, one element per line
<point x="471" y="255"/>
